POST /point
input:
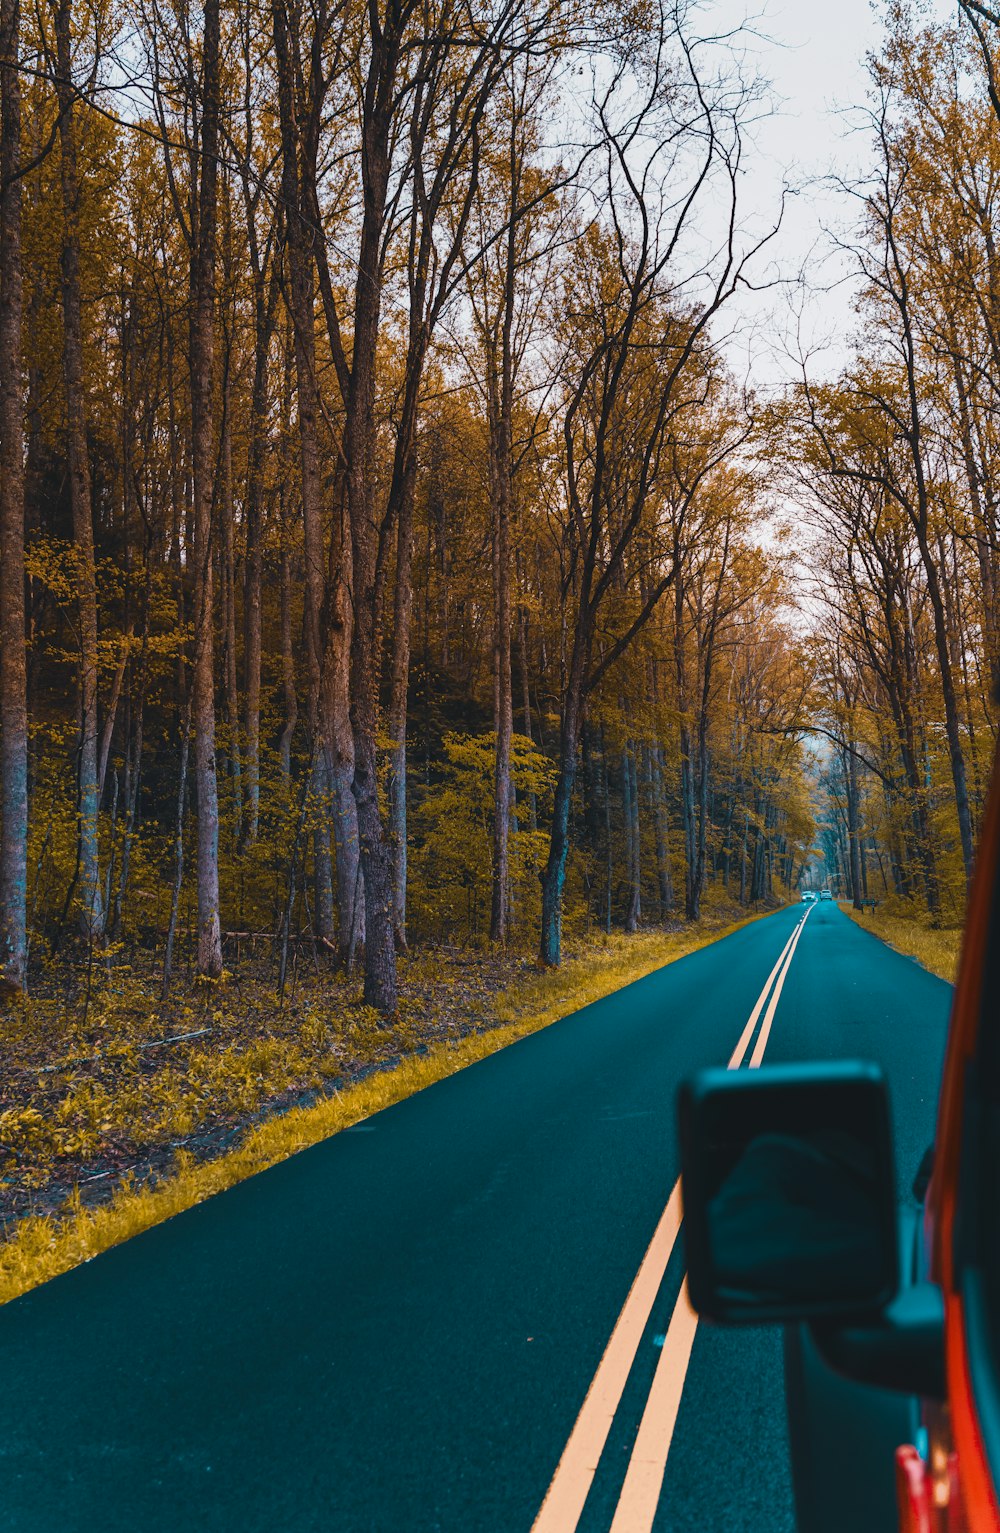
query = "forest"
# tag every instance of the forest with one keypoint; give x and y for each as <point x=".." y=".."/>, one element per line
<point x="393" y="554"/>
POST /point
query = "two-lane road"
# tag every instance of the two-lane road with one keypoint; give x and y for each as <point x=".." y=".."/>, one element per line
<point x="398" y="1329"/>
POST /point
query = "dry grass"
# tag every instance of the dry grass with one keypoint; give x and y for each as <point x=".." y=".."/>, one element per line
<point x="94" y="1088"/>
<point x="937" y="949"/>
<point x="42" y="1246"/>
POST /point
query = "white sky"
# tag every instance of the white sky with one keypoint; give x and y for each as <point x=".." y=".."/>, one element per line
<point x="813" y="53"/>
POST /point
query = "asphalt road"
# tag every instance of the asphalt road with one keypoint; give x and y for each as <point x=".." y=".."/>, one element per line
<point x="396" y="1329"/>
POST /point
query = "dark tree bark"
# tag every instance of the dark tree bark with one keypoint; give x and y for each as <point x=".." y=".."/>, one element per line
<point x="399" y="694"/>
<point x="178" y="879"/>
<point x="657" y="789"/>
<point x="851" y="795"/>
<point x="78" y="464"/>
<point x="501" y="476"/>
<point x="300" y="299"/>
<point x="265" y="279"/>
<point x="633" y="843"/>
<point x="380" y="989"/>
<point x="289" y="691"/>
<point x="13" y="677"/>
<point x="209" y="956"/>
<point x="253" y="573"/>
<point x="230" y="668"/>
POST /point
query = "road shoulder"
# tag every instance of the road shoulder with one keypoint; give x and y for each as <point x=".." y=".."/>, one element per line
<point x="936" y="949"/>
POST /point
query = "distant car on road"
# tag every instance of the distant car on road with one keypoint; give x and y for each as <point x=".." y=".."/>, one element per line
<point x="808" y="896"/>
<point x="825" y="894"/>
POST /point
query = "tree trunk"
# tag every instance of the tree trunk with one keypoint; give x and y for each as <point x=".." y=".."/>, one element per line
<point x="287" y="671"/>
<point x="321" y="805"/>
<point x="953" y="726"/>
<point x="13" y="679"/>
<point x="554" y="872"/>
<point x="337" y="682"/>
<point x="503" y="709"/>
<point x="289" y="689"/>
<point x="252" y="583"/>
<point x="380" y="989"/>
<point x="853" y="828"/>
<point x="919" y="514"/>
<point x="983" y="531"/>
<point x="178" y="881"/>
<point x="701" y="835"/>
<point x="209" y="957"/>
<point x="231" y="668"/>
<point x="301" y="306"/>
<point x="399" y="693"/>
<point x="609" y="849"/>
<point x="633" y="912"/>
<point x="265" y="310"/>
<point x="661" y="828"/>
<point x="133" y="781"/>
<point x="920" y="817"/>
<point x="78" y="461"/>
<point x="525" y="673"/>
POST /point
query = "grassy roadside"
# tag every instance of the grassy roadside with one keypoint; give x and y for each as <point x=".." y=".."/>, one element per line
<point x="41" y="1246"/>
<point x="936" y="949"/>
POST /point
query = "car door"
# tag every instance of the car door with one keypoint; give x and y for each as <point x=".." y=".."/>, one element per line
<point x="963" y="1214"/>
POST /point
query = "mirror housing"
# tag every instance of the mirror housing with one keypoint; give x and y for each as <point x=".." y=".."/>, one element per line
<point x="789" y="1193"/>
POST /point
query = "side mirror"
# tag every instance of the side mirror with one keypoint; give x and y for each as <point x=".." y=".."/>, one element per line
<point x="789" y="1193"/>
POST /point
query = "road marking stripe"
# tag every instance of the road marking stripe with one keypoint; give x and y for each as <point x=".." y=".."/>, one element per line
<point x="765" y="1031"/>
<point x="736" y="1058"/>
<point x="640" y="1494"/>
<point x="644" y="1480"/>
<point x="560" y="1511"/>
<point x="565" y="1497"/>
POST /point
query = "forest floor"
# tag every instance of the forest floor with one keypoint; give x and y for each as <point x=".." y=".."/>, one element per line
<point x="115" y="1107"/>
<point x="936" y="948"/>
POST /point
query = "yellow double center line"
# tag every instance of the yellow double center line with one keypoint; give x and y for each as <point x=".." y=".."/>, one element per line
<point x="564" y="1500"/>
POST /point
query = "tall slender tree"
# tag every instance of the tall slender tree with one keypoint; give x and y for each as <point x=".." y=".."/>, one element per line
<point x="205" y="172"/>
<point x="78" y="471"/>
<point x="13" y="684"/>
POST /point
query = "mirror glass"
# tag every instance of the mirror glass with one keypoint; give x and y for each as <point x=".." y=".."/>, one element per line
<point x="791" y="1207"/>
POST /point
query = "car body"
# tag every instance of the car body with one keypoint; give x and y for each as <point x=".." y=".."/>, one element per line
<point x="894" y="1414"/>
<point x="825" y="894"/>
<point x="808" y="896"/>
